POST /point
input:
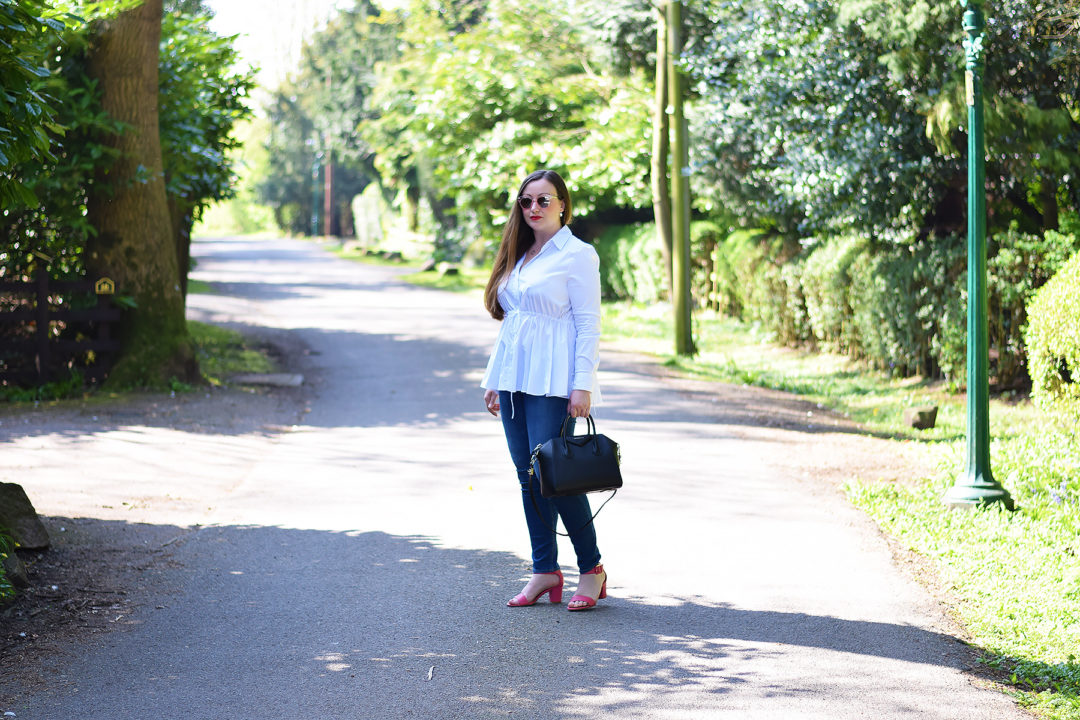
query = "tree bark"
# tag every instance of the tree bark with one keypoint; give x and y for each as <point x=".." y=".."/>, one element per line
<point x="129" y="209"/>
<point x="680" y="188"/>
<point x="181" y="223"/>
<point x="661" y="146"/>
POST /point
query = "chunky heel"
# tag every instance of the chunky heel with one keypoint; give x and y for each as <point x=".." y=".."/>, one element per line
<point x="554" y="593"/>
<point x="590" y="602"/>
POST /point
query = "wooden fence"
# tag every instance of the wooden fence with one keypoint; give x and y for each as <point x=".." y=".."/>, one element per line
<point x="43" y="332"/>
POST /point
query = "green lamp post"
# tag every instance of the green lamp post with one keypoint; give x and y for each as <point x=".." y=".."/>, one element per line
<point x="977" y="485"/>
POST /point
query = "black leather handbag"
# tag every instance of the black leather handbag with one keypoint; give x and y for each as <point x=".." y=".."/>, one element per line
<point x="570" y="464"/>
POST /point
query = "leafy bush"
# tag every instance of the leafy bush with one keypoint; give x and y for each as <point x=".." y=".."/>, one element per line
<point x="1019" y="264"/>
<point x="631" y="263"/>
<point x="907" y="307"/>
<point x="898" y="307"/>
<point x="1053" y="341"/>
<point x="826" y="284"/>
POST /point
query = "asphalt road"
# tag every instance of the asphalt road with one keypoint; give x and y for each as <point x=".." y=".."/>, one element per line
<point x="356" y="565"/>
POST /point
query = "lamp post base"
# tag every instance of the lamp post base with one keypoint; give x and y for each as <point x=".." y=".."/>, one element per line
<point x="974" y="490"/>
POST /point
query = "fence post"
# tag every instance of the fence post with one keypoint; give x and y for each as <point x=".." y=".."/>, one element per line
<point x="41" y="314"/>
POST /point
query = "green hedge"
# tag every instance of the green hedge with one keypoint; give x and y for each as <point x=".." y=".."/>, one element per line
<point x="631" y="263"/>
<point x="1053" y="342"/>
<point x="826" y="279"/>
<point x="902" y="308"/>
<point x="1019" y="264"/>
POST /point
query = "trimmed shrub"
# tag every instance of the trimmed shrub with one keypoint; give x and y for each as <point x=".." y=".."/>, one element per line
<point x="826" y="283"/>
<point x="631" y="263"/>
<point x="1019" y="264"/>
<point x="1053" y="343"/>
<point x="759" y="279"/>
<point x="706" y="276"/>
<point x="907" y="307"/>
<point x="735" y="263"/>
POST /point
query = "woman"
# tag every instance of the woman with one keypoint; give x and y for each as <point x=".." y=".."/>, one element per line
<point x="545" y="288"/>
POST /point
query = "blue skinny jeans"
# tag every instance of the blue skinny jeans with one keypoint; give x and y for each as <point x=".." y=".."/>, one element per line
<point x="528" y="421"/>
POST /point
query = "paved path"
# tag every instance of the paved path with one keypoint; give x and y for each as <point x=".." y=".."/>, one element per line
<point x="356" y="565"/>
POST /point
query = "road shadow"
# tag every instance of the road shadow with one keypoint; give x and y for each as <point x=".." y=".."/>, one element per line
<point x="368" y="624"/>
<point x="225" y="411"/>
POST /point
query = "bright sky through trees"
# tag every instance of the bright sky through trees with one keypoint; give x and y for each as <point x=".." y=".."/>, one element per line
<point x="271" y="31"/>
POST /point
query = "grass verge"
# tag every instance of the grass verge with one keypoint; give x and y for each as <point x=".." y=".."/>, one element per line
<point x="1012" y="579"/>
<point x="464" y="280"/>
<point x="461" y="279"/>
<point x="7" y="546"/>
<point x="223" y="352"/>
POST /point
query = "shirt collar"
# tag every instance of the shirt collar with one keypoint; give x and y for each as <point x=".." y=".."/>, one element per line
<point x="562" y="236"/>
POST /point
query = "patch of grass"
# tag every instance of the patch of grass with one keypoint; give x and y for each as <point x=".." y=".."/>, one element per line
<point x="223" y="352"/>
<point x="199" y="287"/>
<point x="374" y="256"/>
<point x="734" y="352"/>
<point x="73" y="386"/>
<point x="465" y="280"/>
<point x="7" y="546"/>
<point x="1013" y="578"/>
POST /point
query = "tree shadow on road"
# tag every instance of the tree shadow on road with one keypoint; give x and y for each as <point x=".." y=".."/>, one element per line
<point x="268" y="622"/>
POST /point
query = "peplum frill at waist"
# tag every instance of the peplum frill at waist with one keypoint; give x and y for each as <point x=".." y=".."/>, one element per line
<point x="534" y="354"/>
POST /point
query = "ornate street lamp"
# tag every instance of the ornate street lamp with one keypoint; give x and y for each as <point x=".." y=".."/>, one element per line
<point x="977" y="485"/>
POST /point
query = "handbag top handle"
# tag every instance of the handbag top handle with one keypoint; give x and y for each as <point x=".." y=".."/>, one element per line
<point x="589" y="434"/>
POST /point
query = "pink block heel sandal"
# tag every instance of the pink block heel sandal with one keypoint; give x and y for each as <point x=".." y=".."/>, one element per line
<point x="554" y="593"/>
<point x="590" y="602"/>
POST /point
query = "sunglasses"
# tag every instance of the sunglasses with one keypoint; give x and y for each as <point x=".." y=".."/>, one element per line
<point x="543" y="201"/>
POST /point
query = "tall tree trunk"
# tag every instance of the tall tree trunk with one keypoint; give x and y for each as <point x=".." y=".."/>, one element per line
<point x="680" y="188"/>
<point x="129" y="209"/>
<point x="331" y="222"/>
<point x="660" y="149"/>
<point x="181" y="222"/>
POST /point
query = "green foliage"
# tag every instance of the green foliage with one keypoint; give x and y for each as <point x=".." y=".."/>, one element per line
<point x="72" y="386"/>
<point x="825" y="117"/>
<point x="1032" y="105"/>
<point x="28" y="28"/>
<point x="1053" y="340"/>
<point x="223" y="352"/>
<point x="1020" y="263"/>
<point x="756" y="281"/>
<point x="907" y="309"/>
<point x="201" y="98"/>
<point x="826" y="282"/>
<point x="798" y="127"/>
<point x="463" y="118"/>
<point x="897" y="307"/>
<point x="316" y="116"/>
<point x="7" y="546"/>
<point x="630" y="263"/>
<point x="437" y="103"/>
<point x="55" y="230"/>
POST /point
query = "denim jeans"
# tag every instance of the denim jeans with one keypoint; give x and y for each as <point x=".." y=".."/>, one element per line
<point x="528" y="421"/>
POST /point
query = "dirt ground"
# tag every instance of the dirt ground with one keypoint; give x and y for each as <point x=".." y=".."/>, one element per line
<point x="98" y="572"/>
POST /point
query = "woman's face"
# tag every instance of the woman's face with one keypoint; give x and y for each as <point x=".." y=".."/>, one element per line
<point x="543" y="220"/>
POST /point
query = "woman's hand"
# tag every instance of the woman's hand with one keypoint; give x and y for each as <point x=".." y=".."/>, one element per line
<point x="491" y="401"/>
<point x="580" y="403"/>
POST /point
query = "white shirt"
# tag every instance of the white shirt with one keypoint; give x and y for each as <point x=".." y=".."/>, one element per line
<point x="549" y="342"/>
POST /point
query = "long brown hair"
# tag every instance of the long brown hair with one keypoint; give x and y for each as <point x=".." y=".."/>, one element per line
<point x="518" y="236"/>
